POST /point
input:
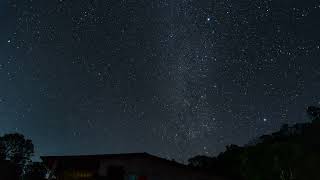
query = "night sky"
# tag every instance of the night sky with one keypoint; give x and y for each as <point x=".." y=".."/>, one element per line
<point x="174" y="78"/>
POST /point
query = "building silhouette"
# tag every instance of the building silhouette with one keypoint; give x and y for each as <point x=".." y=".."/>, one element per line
<point x="132" y="166"/>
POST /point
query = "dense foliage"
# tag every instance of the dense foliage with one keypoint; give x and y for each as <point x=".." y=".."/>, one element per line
<point x="18" y="151"/>
<point x="16" y="148"/>
<point x="292" y="153"/>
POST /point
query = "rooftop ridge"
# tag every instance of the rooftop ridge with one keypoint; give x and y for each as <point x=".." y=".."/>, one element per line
<point x="95" y="155"/>
<point x="119" y="155"/>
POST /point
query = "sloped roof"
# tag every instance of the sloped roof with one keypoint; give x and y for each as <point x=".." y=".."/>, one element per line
<point x="120" y="156"/>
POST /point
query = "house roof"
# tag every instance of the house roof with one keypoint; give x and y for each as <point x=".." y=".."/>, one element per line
<point x="99" y="156"/>
<point x="125" y="156"/>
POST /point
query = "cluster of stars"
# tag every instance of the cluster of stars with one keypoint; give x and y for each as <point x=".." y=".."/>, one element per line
<point x="185" y="77"/>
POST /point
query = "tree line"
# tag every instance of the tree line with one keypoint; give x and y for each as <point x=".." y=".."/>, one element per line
<point x="292" y="153"/>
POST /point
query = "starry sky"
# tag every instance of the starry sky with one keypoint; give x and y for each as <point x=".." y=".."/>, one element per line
<point x="174" y="78"/>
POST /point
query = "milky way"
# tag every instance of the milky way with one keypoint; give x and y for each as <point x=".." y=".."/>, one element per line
<point x="173" y="78"/>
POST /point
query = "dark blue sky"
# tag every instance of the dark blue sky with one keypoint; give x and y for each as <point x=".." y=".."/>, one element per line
<point x="173" y="78"/>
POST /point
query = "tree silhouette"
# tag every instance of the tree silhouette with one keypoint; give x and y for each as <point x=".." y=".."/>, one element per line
<point x="292" y="153"/>
<point x="16" y="148"/>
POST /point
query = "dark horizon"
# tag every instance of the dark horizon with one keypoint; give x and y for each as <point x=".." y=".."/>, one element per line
<point x="172" y="78"/>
